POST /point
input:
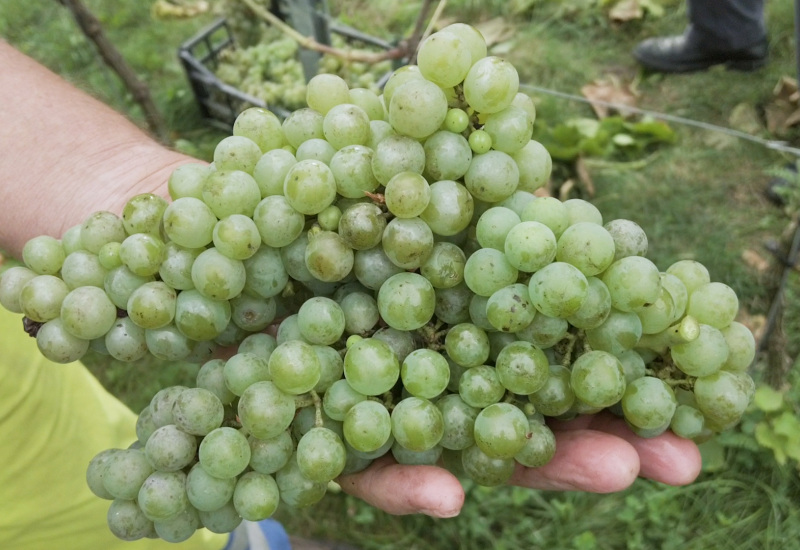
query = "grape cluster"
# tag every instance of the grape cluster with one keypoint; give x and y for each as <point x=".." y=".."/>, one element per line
<point x="423" y="302"/>
<point x="271" y="71"/>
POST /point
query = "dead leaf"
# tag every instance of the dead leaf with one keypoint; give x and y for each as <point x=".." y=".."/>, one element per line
<point x="610" y="94"/>
<point x="756" y="323"/>
<point x="565" y="189"/>
<point x="496" y="30"/>
<point x="756" y="261"/>
<point x="626" y="10"/>
<point x="584" y="177"/>
<point x="783" y="112"/>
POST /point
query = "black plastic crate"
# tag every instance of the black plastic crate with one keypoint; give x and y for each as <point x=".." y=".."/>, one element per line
<point x="221" y="103"/>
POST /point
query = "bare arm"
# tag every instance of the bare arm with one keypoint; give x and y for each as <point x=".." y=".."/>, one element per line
<point x="65" y="154"/>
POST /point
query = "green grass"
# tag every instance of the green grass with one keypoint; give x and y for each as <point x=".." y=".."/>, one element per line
<point x="700" y="198"/>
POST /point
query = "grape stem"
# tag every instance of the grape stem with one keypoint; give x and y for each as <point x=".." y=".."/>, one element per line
<point x="686" y="330"/>
<point x="318" y="423"/>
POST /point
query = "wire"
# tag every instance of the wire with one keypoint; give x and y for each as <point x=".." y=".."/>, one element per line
<point x="774" y="145"/>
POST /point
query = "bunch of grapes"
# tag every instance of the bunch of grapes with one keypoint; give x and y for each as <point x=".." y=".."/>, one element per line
<point x="271" y="71"/>
<point x="423" y="302"/>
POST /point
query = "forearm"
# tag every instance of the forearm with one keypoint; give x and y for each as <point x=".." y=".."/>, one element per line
<point x="65" y="154"/>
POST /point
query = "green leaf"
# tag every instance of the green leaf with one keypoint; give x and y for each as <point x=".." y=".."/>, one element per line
<point x="787" y="425"/>
<point x="655" y="128"/>
<point x="767" y="399"/>
<point x="770" y="440"/>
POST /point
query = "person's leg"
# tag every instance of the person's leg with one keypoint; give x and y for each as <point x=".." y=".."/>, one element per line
<point x="720" y="32"/>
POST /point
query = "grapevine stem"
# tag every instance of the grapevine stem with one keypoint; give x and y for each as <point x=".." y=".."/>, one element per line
<point x="687" y="330"/>
<point x="311" y="44"/>
<point x="302" y="401"/>
<point x="317" y="409"/>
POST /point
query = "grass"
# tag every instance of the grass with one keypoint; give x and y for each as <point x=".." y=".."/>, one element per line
<point x="700" y="198"/>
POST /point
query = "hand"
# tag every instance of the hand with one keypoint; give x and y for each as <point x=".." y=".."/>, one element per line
<point x="597" y="454"/>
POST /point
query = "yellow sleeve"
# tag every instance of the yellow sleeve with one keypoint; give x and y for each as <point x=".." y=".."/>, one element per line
<point x="53" y="420"/>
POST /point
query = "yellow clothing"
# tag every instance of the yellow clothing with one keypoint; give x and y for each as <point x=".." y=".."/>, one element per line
<point x="53" y="420"/>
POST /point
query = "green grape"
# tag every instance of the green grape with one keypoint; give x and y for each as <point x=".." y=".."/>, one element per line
<point x="43" y="255"/>
<point x="723" y="397"/>
<point x="328" y="257"/>
<point x="619" y="332"/>
<point x="687" y="422"/>
<point x="244" y="369"/>
<point x="713" y="304"/>
<point x="179" y="527"/>
<point x="126" y="521"/>
<point x="535" y="166"/>
<point x="222" y="520"/>
<point x="71" y="239"/>
<point x="587" y="246"/>
<point x="510" y="129"/>
<point x="325" y="91"/>
<point x="544" y="331"/>
<point x="444" y="58"/>
<point x="369" y="101"/>
<point x="467" y="345"/>
<point x="558" y="289"/>
<point x="406" y="456"/>
<point x="217" y="276"/>
<point x="339" y="398"/>
<point x="367" y="426"/>
<point x="236" y="237"/>
<point x="407" y="194"/>
<point x="265" y="275"/>
<point x="294" y="367"/>
<point x="633" y="282"/>
<point x="198" y="411"/>
<point x="540" y="445"/>
<point x="142" y="253"/>
<point x="452" y="304"/>
<point x="301" y="125"/>
<point x="152" y="305"/>
<point x="329" y="218"/>
<point x="271" y="169"/>
<point x="459" y="422"/>
<point x="108" y="255"/>
<point x="187" y="180"/>
<point x="598" y="379"/>
<point x="87" y="312"/>
<point x="12" y="280"/>
<point x="659" y="315"/>
<point x="261" y="126"/>
<point x="346" y="124"/>
<point x="206" y="492"/>
<point x="741" y="345"/>
<point x="395" y="154"/>
<point x="100" y="228"/>
<point x="407" y="242"/>
<point x="267" y="456"/>
<point x="352" y="170"/>
<point x="309" y="187"/>
<point x="522" y="368"/>
<point x="677" y="292"/>
<point x="480" y="386"/>
<point x="224" y="452"/>
<point x="491" y="84"/>
<point x="471" y="38"/>
<point x="456" y="121"/>
<point x="162" y="403"/>
<point x="494" y="225"/>
<point x="580" y="210"/>
<point x="492" y="176"/>
<point x="447" y="155"/>
<point x="691" y="273"/>
<point x="704" y="355"/>
<point x="41" y="297"/>
<point x="648" y="403"/>
<point x="510" y="309"/>
<point x="378" y="130"/>
<point x="201" y="318"/>
<point x="371" y="367"/>
<point x="212" y="378"/>
<point x="296" y="490"/>
<point x="444" y="266"/>
<point x="372" y="267"/>
<point x="629" y="238"/>
<point x="633" y="364"/>
<point x="401" y="342"/>
<point x="163" y="495"/>
<point x="361" y="313"/>
<point x="595" y="308"/>
<point x="82" y="268"/>
<point x="425" y="373"/>
<point x="524" y="101"/>
<point x="406" y="301"/>
<point x="320" y="455"/>
<point x="256" y="496"/>
<point x="189" y="222"/>
<point x="417" y="424"/>
<point x="95" y="472"/>
<point x="487" y="271"/>
<point x="264" y="410"/>
<point x="450" y="208"/>
<point x="556" y="396"/>
<point x="252" y="313"/>
<point x="315" y="149"/>
<point x="500" y="430"/>
<point x="480" y="142"/>
<point x="124" y="473"/>
<point x="362" y="225"/>
<point x="229" y="192"/>
<point x="399" y="77"/>
<point x="485" y="470"/>
<point x="168" y="343"/>
<point x="125" y="341"/>
<point x="176" y="268"/>
<point x="236" y="152"/>
<point x="169" y="449"/>
<point x="321" y="320"/>
<point x="547" y="210"/>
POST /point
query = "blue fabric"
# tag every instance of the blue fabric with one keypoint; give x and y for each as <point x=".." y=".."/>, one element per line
<point x="273" y="532"/>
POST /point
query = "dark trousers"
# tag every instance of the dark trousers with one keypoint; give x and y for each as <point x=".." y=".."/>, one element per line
<point x="727" y="24"/>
